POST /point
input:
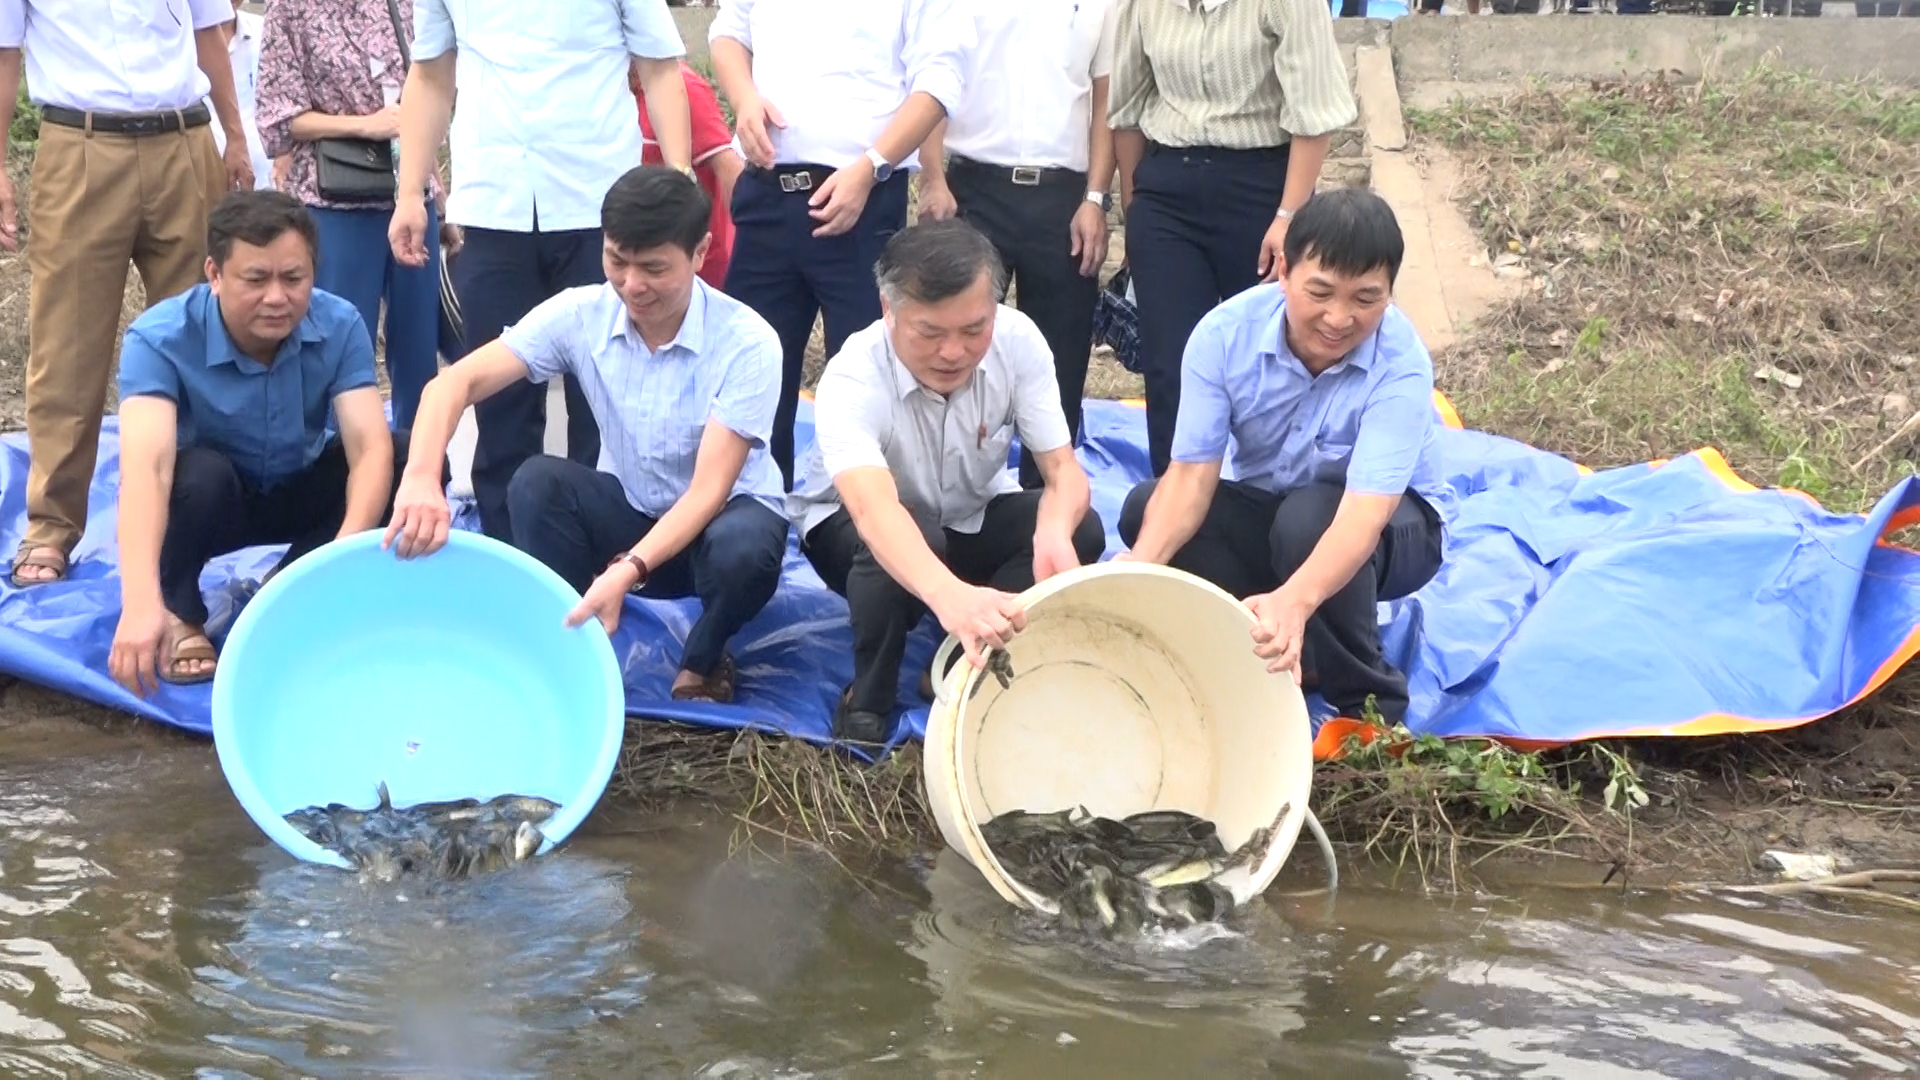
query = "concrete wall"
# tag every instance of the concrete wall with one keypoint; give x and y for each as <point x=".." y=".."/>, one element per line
<point x="693" y="23"/>
<point x="1491" y="50"/>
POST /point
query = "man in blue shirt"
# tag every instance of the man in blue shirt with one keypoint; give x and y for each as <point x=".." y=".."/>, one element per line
<point x="1325" y="392"/>
<point x="224" y="397"/>
<point x="683" y="381"/>
<point x="831" y="101"/>
<point x="545" y="126"/>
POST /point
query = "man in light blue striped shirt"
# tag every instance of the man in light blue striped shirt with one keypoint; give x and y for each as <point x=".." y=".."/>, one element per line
<point x="1323" y="391"/>
<point x="683" y="381"/>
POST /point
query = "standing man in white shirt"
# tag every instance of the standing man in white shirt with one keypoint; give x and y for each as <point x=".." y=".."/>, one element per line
<point x="243" y="47"/>
<point x="906" y="503"/>
<point x="126" y="170"/>
<point x="540" y="137"/>
<point x="831" y="100"/>
<point x="1037" y="186"/>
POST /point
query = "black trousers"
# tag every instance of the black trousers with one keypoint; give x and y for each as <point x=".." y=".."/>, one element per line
<point x="788" y="275"/>
<point x="575" y="519"/>
<point x="1252" y="541"/>
<point x="1193" y="240"/>
<point x="883" y="612"/>
<point x="1031" y="227"/>
<point x="212" y="510"/>
<point x="499" y="277"/>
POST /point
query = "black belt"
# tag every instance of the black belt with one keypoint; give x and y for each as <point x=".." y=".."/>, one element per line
<point x="1023" y="175"/>
<point x="152" y="123"/>
<point x="1222" y="153"/>
<point x="792" y="178"/>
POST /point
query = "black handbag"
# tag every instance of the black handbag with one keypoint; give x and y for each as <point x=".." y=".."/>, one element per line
<point x="348" y="170"/>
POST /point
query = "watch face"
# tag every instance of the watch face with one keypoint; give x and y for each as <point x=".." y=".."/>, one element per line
<point x="882" y="171"/>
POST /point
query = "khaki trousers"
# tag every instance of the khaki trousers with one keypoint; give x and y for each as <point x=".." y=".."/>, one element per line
<point x="99" y="201"/>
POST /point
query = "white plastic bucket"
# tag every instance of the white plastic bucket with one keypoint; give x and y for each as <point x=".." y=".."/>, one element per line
<point x="1135" y="688"/>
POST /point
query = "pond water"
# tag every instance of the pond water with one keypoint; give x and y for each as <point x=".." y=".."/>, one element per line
<point x="147" y="928"/>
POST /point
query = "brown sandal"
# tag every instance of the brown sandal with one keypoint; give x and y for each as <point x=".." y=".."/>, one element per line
<point x="718" y="686"/>
<point x="178" y="645"/>
<point x="40" y="557"/>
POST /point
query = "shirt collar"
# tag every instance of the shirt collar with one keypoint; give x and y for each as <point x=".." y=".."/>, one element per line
<point x="1274" y="334"/>
<point x="692" y="335"/>
<point x="222" y="350"/>
<point x="1208" y="5"/>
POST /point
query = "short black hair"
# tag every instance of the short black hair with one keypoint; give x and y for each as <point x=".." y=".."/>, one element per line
<point x="651" y="205"/>
<point x="932" y="261"/>
<point x="1350" y="230"/>
<point x="257" y="217"/>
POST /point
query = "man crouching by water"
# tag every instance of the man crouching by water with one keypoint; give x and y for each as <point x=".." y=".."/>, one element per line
<point x="224" y="442"/>
<point x="1326" y="391"/>
<point x="906" y="502"/>
<point x="683" y="381"/>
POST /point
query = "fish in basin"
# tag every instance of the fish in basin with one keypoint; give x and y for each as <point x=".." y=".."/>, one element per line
<point x="1116" y="878"/>
<point x="454" y="839"/>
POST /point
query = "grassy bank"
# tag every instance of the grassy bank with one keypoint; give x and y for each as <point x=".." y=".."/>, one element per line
<point x="1729" y="265"/>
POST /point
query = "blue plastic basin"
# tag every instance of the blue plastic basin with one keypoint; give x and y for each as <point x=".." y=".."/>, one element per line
<point x="447" y="677"/>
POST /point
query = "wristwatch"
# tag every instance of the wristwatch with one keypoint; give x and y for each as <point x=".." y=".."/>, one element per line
<point x="1102" y="199"/>
<point x="1283" y="214"/>
<point x="882" y="168"/>
<point x="639" y="564"/>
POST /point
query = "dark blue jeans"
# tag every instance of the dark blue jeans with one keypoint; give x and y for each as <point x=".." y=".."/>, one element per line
<point x="356" y="263"/>
<point x="787" y="275"/>
<point x="1193" y="240"/>
<point x="575" y="519"/>
<point x="499" y="277"/>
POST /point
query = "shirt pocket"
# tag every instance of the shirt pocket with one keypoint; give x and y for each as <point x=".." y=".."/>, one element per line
<point x="1330" y="459"/>
<point x="987" y="458"/>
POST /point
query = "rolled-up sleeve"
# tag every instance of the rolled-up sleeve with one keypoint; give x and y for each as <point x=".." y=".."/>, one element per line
<point x="145" y="369"/>
<point x="1206" y="408"/>
<point x="544" y="340"/>
<point x="1316" y="96"/>
<point x="1131" y="87"/>
<point x="749" y="392"/>
<point x="649" y="29"/>
<point x="1037" y="415"/>
<point x="283" y="92"/>
<point x="1394" y="423"/>
<point x="940" y="41"/>
<point x="210" y="13"/>
<point x="733" y="20"/>
<point x="433" y="35"/>
<point x="13" y="23"/>
<point x="849" y="416"/>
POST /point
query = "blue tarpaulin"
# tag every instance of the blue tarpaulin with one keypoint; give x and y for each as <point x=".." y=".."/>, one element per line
<point x="1661" y="598"/>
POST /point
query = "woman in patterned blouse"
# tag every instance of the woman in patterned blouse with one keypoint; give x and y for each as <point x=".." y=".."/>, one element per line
<point x="1221" y="112"/>
<point x="333" y="69"/>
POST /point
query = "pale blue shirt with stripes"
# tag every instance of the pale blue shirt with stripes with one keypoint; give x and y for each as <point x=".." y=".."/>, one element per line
<point x="652" y="406"/>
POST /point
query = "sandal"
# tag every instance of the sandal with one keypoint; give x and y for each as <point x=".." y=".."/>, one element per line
<point x="717" y="688"/>
<point x="177" y="646"/>
<point x="40" y="557"/>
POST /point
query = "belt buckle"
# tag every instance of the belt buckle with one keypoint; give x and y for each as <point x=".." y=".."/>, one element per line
<point x="791" y="182"/>
<point x="1026" y="175"/>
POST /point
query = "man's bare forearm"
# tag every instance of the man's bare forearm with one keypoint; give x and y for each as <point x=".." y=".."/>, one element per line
<point x="733" y="70"/>
<point x="210" y="49"/>
<point x="426" y="106"/>
<point x="666" y="94"/>
<point x="1343" y="549"/>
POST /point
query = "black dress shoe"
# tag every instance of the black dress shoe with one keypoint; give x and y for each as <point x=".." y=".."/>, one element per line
<point x="859" y="725"/>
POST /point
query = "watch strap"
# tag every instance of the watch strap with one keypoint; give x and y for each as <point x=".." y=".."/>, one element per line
<point x="639" y="564"/>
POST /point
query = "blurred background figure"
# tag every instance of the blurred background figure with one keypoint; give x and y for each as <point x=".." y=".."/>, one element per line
<point x="243" y="47"/>
<point x="330" y="79"/>
<point x="716" y="165"/>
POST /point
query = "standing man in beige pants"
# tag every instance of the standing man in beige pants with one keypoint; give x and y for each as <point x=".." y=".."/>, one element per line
<point x="126" y="170"/>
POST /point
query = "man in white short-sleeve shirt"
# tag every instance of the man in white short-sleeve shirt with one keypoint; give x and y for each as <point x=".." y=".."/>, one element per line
<point x="683" y="381"/>
<point x="1036" y="185"/>
<point x="906" y="501"/>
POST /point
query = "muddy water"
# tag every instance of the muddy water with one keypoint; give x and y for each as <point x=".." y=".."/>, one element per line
<point x="148" y="929"/>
